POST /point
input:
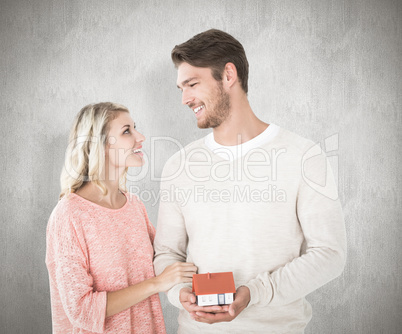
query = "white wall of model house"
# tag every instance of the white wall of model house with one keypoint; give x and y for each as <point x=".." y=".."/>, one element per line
<point x="215" y="299"/>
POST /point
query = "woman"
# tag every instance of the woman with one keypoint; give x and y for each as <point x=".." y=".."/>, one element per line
<point x="99" y="239"/>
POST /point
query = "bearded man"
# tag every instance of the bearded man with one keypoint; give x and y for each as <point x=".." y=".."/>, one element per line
<point x="256" y="208"/>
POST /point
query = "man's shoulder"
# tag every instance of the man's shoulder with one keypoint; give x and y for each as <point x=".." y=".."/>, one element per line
<point x="293" y="141"/>
<point x="179" y="157"/>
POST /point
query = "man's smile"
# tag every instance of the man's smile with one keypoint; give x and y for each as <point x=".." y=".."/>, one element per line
<point x="196" y="110"/>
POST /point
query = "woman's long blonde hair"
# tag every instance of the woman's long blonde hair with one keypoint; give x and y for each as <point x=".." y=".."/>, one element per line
<point x="85" y="154"/>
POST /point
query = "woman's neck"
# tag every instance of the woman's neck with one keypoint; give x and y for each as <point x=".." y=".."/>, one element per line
<point x="114" y="198"/>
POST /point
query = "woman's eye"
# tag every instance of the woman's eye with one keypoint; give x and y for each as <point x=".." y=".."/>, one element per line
<point x="127" y="131"/>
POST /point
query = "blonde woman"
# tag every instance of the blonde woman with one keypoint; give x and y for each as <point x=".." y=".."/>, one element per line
<point x="99" y="239"/>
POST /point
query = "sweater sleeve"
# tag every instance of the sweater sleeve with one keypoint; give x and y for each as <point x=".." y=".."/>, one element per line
<point x="67" y="262"/>
<point x="171" y="239"/>
<point x="321" y="219"/>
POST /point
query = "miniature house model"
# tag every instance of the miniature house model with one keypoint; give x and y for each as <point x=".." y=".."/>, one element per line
<point x="214" y="288"/>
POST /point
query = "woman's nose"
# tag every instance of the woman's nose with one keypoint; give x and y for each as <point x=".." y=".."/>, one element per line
<point x="139" y="137"/>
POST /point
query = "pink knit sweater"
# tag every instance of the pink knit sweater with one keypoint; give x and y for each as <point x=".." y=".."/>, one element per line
<point x="92" y="250"/>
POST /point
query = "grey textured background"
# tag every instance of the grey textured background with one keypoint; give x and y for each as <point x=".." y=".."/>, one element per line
<point x="318" y="68"/>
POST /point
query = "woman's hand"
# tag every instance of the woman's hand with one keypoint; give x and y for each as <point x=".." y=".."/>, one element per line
<point x="178" y="272"/>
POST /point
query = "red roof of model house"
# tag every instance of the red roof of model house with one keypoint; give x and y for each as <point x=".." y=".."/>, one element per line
<point x="213" y="283"/>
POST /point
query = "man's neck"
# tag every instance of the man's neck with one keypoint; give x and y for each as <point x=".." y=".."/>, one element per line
<point x="241" y="126"/>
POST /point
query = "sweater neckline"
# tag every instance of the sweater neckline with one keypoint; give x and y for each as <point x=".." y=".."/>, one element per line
<point x="82" y="199"/>
<point x="233" y="153"/>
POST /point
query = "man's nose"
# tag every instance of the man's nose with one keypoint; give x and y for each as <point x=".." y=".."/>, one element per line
<point x="186" y="97"/>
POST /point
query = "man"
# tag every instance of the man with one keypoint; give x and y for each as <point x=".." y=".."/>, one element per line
<point x="243" y="200"/>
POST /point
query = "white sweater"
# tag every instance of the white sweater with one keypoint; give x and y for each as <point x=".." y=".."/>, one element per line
<point x="270" y="216"/>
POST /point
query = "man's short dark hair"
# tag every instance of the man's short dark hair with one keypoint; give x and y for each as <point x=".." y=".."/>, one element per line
<point x="214" y="49"/>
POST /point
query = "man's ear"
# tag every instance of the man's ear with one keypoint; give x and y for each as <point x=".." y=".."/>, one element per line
<point x="230" y="75"/>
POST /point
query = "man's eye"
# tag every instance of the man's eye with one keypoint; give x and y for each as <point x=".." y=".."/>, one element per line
<point x="192" y="85"/>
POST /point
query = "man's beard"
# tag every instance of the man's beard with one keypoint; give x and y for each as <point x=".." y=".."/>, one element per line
<point x="219" y="111"/>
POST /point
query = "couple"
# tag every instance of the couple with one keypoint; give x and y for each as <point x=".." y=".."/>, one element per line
<point x="280" y="236"/>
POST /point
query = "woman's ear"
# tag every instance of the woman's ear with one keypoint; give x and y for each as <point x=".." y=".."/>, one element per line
<point x="109" y="141"/>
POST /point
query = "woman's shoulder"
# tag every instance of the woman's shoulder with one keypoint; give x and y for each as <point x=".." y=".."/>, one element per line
<point x="133" y="200"/>
<point x="67" y="208"/>
<point x="135" y="203"/>
<point x="68" y="204"/>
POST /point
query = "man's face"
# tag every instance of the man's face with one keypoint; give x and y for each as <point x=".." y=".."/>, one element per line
<point x="204" y="95"/>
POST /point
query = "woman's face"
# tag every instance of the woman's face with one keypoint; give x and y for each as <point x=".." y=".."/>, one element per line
<point x="124" y="143"/>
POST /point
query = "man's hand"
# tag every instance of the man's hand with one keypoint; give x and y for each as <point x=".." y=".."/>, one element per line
<point x="188" y="299"/>
<point x="240" y="303"/>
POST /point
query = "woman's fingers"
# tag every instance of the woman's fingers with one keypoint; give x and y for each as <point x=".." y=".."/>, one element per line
<point x="184" y="271"/>
<point x="187" y="267"/>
